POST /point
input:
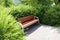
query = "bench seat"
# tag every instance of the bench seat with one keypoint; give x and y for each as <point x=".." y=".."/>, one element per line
<point x="28" y="23"/>
<point x="28" y="20"/>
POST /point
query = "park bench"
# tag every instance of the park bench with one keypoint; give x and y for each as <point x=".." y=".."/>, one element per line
<point x="28" y="20"/>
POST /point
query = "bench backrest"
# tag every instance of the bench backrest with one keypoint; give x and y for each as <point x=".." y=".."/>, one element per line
<point x="27" y="18"/>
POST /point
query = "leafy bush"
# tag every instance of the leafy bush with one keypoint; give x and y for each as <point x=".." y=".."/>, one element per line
<point x="45" y="2"/>
<point x="41" y="11"/>
<point x="52" y="16"/>
<point x="6" y="3"/>
<point x="29" y="2"/>
<point x="9" y="28"/>
<point x="22" y="10"/>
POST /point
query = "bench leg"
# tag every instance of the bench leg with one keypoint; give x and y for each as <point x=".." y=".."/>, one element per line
<point x="38" y="21"/>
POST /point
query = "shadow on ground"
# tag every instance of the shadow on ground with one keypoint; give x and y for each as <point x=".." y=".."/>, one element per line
<point x="32" y="28"/>
<point x="58" y="29"/>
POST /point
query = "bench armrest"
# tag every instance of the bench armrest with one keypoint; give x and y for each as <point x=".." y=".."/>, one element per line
<point x="35" y="17"/>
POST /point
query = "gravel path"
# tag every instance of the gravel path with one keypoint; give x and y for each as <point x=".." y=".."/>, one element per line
<point x="43" y="32"/>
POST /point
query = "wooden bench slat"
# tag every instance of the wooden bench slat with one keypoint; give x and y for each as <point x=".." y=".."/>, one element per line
<point x="29" y="23"/>
<point x="28" y="20"/>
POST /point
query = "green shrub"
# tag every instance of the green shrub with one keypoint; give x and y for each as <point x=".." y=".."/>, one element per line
<point x="41" y="11"/>
<point x="22" y="10"/>
<point x="10" y="29"/>
<point x="45" y="2"/>
<point x="6" y="3"/>
<point x="52" y="16"/>
<point x="29" y="2"/>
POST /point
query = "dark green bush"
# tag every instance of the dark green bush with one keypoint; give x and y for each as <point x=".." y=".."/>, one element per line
<point x="41" y="11"/>
<point x="52" y="16"/>
<point x="45" y="2"/>
<point x="9" y="28"/>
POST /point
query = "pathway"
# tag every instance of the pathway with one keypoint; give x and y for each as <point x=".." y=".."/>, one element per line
<point x="43" y="32"/>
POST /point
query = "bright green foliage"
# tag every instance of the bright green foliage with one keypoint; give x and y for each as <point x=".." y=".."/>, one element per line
<point x="6" y="3"/>
<point x="10" y="29"/>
